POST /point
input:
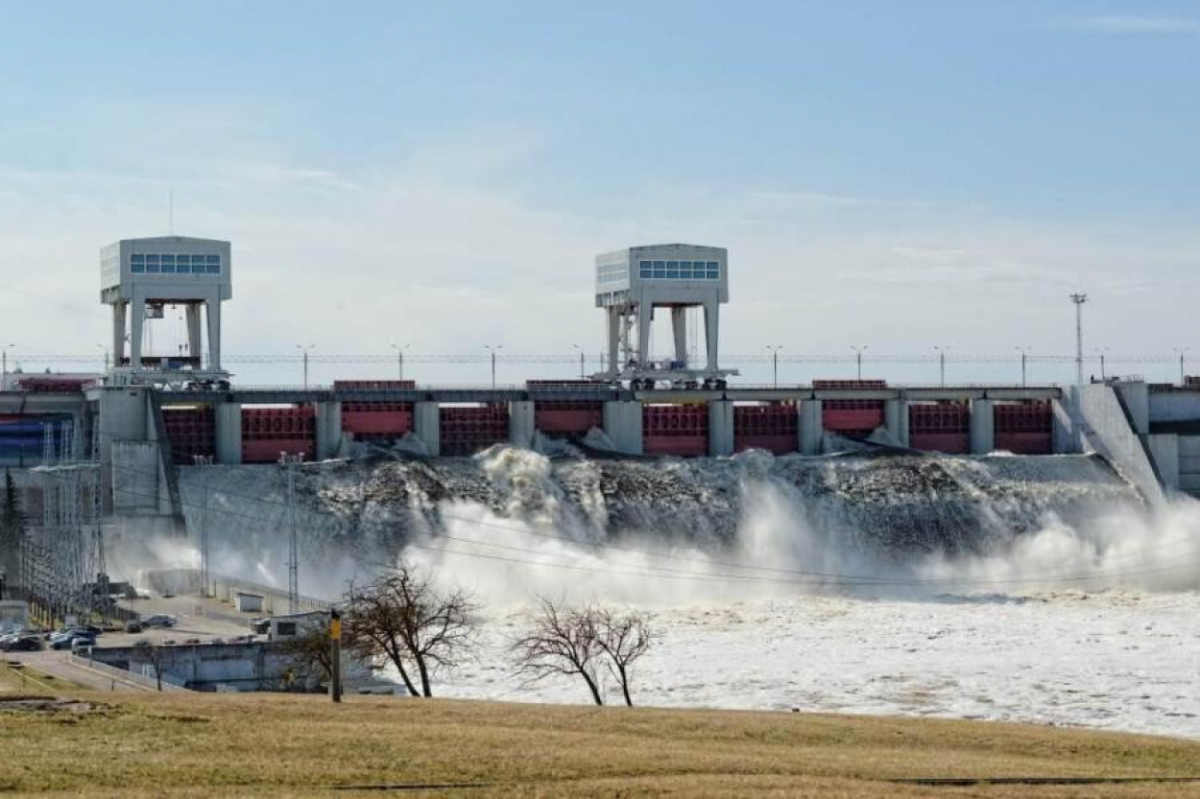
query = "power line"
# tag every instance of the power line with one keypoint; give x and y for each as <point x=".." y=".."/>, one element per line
<point x="826" y="578"/>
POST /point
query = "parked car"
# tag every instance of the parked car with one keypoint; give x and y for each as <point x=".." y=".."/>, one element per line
<point x="68" y="641"/>
<point x="28" y="643"/>
<point x="142" y="642"/>
<point x="82" y="642"/>
<point x="170" y="642"/>
<point x="159" y="620"/>
<point x="133" y="627"/>
<point x="192" y="641"/>
<point x="21" y="642"/>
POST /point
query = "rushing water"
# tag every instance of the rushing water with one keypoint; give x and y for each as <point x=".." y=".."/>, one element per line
<point x="1021" y="588"/>
<point x="832" y="515"/>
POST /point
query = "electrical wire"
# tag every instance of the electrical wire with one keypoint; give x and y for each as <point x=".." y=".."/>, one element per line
<point x="825" y="578"/>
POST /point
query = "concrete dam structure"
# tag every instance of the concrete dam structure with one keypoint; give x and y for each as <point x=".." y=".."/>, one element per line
<point x="137" y="450"/>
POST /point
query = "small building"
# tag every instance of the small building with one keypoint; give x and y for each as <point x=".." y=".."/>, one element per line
<point x="14" y="615"/>
<point x="248" y="603"/>
<point x="281" y="628"/>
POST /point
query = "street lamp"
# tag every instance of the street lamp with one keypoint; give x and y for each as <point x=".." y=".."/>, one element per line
<point x="1024" y="353"/>
<point x="1103" y="372"/>
<point x="582" y="367"/>
<point x="858" y="352"/>
<point x="941" y="351"/>
<point x="4" y="367"/>
<point x="775" y="348"/>
<point x="400" y="348"/>
<point x="1182" y="351"/>
<point x="1079" y="300"/>
<point x="304" y="348"/>
<point x="493" y="349"/>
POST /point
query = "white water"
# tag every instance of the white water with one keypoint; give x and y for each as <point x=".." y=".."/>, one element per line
<point x="1087" y="614"/>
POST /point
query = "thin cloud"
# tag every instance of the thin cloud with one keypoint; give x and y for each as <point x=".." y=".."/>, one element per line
<point x="1133" y="24"/>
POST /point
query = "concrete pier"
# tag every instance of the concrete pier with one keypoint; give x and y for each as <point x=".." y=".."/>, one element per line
<point x="720" y="428"/>
<point x="895" y="419"/>
<point x="329" y="429"/>
<point x="983" y="426"/>
<point x="521" y="426"/>
<point x="427" y="425"/>
<point x="812" y="427"/>
<point x="228" y="420"/>
<point x="623" y="426"/>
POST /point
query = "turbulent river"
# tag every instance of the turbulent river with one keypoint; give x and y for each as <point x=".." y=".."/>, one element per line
<point x="1032" y="588"/>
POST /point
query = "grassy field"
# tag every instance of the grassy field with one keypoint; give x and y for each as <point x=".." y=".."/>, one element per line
<point x="279" y="745"/>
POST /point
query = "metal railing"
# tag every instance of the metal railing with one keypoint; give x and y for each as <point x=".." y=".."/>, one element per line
<point x="124" y="675"/>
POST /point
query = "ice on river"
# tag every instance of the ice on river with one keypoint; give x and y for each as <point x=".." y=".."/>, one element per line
<point x="1116" y="659"/>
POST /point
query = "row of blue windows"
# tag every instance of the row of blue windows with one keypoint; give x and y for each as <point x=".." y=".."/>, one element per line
<point x="679" y="270"/>
<point x="175" y="264"/>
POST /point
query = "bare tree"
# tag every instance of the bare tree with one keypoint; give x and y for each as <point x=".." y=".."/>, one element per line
<point x="404" y="618"/>
<point x="559" y="641"/>
<point x="622" y="638"/>
<point x="311" y="653"/>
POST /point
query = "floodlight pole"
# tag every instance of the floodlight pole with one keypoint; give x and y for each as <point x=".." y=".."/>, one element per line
<point x="1079" y="300"/>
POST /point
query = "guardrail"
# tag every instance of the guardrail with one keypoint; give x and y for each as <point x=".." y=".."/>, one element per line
<point x="124" y="675"/>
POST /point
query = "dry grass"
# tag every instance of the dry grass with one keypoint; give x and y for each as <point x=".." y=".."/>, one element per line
<point x="278" y="745"/>
<point x="31" y="681"/>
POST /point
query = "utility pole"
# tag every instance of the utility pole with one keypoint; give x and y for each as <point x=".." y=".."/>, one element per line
<point x="775" y="348"/>
<point x="335" y="655"/>
<point x="1079" y="300"/>
<point x="4" y="366"/>
<point x="941" y="351"/>
<point x="205" y="574"/>
<point x="492" y="349"/>
<point x="289" y="463"/>
<point x="304" y="348"/>
<point x="1103" y="372"/>
<point x="582" y="366"/>
<point x="1182" y="353"/>
<point x="1024" y="351"/>
<point x="400" y="358"/>
<point x="858" y="352"/>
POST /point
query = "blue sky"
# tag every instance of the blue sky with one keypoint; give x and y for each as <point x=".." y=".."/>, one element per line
<point x="900" y="174"/>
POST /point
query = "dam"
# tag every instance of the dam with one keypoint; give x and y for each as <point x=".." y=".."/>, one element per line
<point x="641" y="445"/>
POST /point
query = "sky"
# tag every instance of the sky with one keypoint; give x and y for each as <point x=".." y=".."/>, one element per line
<point x="900" y="176"/>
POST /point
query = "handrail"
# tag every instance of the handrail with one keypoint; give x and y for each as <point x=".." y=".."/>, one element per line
<point x="125" y="675"/>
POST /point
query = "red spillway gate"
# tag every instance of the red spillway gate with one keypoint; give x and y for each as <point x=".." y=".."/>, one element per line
<point x="192" y="432"/>
<point x="268" y="432"/>
<point x="942" y="427"/>
<point x="1025" y="428"/>
<point x="675" y="430"/>
<point x="854" y="418"/>
<point x="469" y="429"/>
<point x="567" y="418"/>
<point x="370" y="421"/>
<point x="775" y="428"/>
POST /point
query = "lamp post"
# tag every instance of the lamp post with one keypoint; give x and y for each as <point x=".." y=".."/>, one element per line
<point x="941" y="351"/>
<point x="400" y="348"/>
<point x="1182" y="353"/>
<point x="582" y="366"/>
<point x="304" y="348"/>
<point x="493" y="349"/>
<point x="4" y="366"/>
<point x="858" y="353"/>
<point x="1102" y="351"/>
<point x="775" y="348"/>
<point x="1024" y="353"/>
<point x="1079" y="300"/>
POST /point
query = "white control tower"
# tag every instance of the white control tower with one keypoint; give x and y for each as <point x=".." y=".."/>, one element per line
<point x="138" y="277"/>
<point x="631" y="283"/>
